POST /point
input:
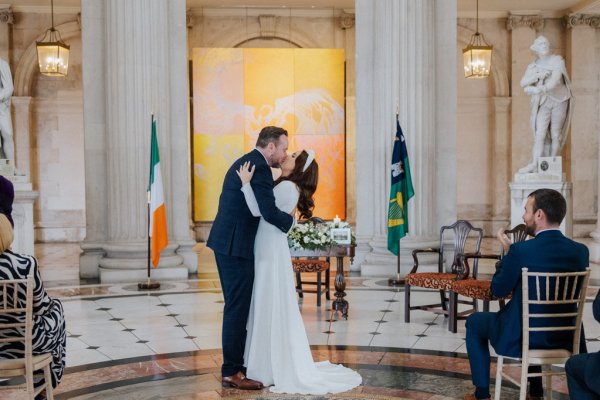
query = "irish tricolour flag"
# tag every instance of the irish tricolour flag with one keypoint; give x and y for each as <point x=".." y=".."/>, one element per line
<point x="158" y="213"/>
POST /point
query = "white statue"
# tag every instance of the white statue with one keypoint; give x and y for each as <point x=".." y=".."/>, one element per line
<point x="547" y="82"/>
<point x="7" y="144"/>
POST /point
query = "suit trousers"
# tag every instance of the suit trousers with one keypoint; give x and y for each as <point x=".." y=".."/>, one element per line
<point x="575" y="369"/>
<point x="237" y="279"/>
<point x="479" y="330"/>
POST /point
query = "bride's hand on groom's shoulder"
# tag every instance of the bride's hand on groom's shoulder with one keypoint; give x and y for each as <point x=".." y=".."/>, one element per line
<point x="245" y="172"/>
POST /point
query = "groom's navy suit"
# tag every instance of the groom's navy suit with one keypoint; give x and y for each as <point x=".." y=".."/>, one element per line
<point x="550" y="251"/>
<point x="583" y="370"/>
<point x="232" y="239"/>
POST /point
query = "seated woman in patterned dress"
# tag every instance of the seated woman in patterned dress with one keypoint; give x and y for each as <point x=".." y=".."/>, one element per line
<point x="49" y="334"/>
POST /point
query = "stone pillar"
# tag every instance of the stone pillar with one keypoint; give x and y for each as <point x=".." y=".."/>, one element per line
<point x="582" y="33"/>
<point x="523" y="32"/>
<point x="405" y="61"/>
<point x="501" y="174"/>
<point x="21" y="107"/>
<point x="582" y="67"/>
<point x="125" y="78"/>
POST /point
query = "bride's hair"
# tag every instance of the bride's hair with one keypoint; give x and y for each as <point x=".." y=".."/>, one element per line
<point x="306" y="182"/>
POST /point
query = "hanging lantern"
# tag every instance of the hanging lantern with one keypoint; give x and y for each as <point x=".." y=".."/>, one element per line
<point x="52" y="52"/>
<point x="477" y="56"/>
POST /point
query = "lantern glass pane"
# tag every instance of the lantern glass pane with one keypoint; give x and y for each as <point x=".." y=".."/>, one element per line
<point x="53" y="58"/>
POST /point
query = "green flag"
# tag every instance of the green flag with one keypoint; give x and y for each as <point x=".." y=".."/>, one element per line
<point x="400" y="192"/>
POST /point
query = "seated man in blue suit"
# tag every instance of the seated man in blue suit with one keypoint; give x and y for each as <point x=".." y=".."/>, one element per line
<point x="583" y="370"/>
<point x="550" y="251"/>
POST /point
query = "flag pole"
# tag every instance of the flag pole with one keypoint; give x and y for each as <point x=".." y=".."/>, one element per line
<point x="149" y="284"/>
<point x="397" y="281"/>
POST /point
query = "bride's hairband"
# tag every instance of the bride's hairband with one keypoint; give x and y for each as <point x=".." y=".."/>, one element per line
<point x="309" y="160"/>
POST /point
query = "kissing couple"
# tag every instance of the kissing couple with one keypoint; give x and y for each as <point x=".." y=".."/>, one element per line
<point x="263" y="338"/>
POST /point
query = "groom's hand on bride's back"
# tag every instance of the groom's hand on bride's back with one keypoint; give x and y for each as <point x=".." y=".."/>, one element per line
<point x="245" y="172"/>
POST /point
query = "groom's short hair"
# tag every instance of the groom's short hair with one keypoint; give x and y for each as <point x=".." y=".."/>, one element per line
<point x="269" y="134"/>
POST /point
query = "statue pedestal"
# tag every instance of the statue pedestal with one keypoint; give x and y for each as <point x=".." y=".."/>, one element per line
<point x="551" y="178"/>
<point x="22" y="213"/>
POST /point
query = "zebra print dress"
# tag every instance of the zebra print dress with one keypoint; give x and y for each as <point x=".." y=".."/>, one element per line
<point x="49" y="333"/>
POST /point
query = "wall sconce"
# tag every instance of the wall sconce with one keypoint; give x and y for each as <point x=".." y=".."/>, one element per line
<point x="477" y="56"/>
<point x="52" y="52"/>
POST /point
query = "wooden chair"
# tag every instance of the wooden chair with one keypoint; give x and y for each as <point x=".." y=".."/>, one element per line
<point x="312" y="264"/>
<point x="547" y="292"/>
<point x="441" y="280"/>
<point x="12" y="330"/>
<point x="475" y="288"/>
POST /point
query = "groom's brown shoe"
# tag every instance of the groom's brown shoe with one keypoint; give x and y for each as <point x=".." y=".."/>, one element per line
<point x="239" y="381"/>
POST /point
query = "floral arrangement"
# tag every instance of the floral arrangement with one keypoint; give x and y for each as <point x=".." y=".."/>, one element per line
<point x="311" y="236"/>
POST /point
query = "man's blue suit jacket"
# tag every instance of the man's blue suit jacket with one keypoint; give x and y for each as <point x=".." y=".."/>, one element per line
<point x="550" y="251"/>
<point x="592" y="367"/>
<point x="234" y="228"/>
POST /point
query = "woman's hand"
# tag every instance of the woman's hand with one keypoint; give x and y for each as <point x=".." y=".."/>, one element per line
<point x="245" y="172"/>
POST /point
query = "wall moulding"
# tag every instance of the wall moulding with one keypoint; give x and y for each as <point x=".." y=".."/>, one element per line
<point x="591" y="20"/>
<point x="525" y="21"/>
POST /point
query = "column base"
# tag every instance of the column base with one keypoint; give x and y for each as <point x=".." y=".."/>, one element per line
<point x="109" y="275"/>
<point x="128" y="262"/>
<point x="594" y="247"/>
<point x="381" y="262"/>
<point x="189" y="255"/>
<point x="22" y="215"/>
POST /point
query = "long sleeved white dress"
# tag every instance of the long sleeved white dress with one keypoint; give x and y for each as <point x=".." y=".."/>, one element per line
<point x="277" y="351"/>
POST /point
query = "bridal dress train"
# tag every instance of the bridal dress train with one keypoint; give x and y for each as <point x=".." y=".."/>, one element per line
<point x="277" y="351"/>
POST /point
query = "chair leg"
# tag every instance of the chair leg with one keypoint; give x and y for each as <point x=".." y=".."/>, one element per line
<point x="501" y="303"/>
<point x="48" y="380"/>
<point x="406" y="302"/>
<point x="327" y="284"/>
<point x="299" y="285"/>
<point x="523" y="391"/>
<point x="548" y="391"/>
<point x="453" y="305"/>
<point x="319" y="289"/>
<point x="444" y="299"/>
<point x="486" y="305"/>
<point x="498" y="387"/>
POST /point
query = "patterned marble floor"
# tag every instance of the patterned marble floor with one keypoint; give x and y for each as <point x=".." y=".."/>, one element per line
<point x="165" y="344"/>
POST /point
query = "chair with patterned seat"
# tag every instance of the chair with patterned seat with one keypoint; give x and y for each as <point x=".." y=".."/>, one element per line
<point x="441" y="280"/>
<point x="16" y="329"/>
<point x="312" y="264"/>
<point x="478" y="289"/>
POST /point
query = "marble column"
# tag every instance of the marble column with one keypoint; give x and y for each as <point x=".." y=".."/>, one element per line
<point x="405" y="62"/>
<point x="581" y="36"/>
<point x="126" y="77"/>
<point x="523" y="30"/>
<point x="583" y="70"/>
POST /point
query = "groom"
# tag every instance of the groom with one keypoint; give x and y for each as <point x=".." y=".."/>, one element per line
<point x="232" y="240"/>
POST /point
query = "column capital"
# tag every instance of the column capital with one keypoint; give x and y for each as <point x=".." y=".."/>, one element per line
<point x="347" y="20"/>
<point x="591" y="20"/>
<point x="515" y="21"/>
<point x="6" y="15"/>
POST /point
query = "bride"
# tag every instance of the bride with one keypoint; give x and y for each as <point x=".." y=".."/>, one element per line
<point x="277" y="351"/>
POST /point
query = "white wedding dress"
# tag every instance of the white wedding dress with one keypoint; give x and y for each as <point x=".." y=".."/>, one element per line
<point x="277" y="351"/>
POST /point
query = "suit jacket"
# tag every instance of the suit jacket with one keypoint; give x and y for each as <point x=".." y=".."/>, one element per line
<point x="550" y="251"/>
<point x="234" y="228"/>
<point x="592" y="367"/>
